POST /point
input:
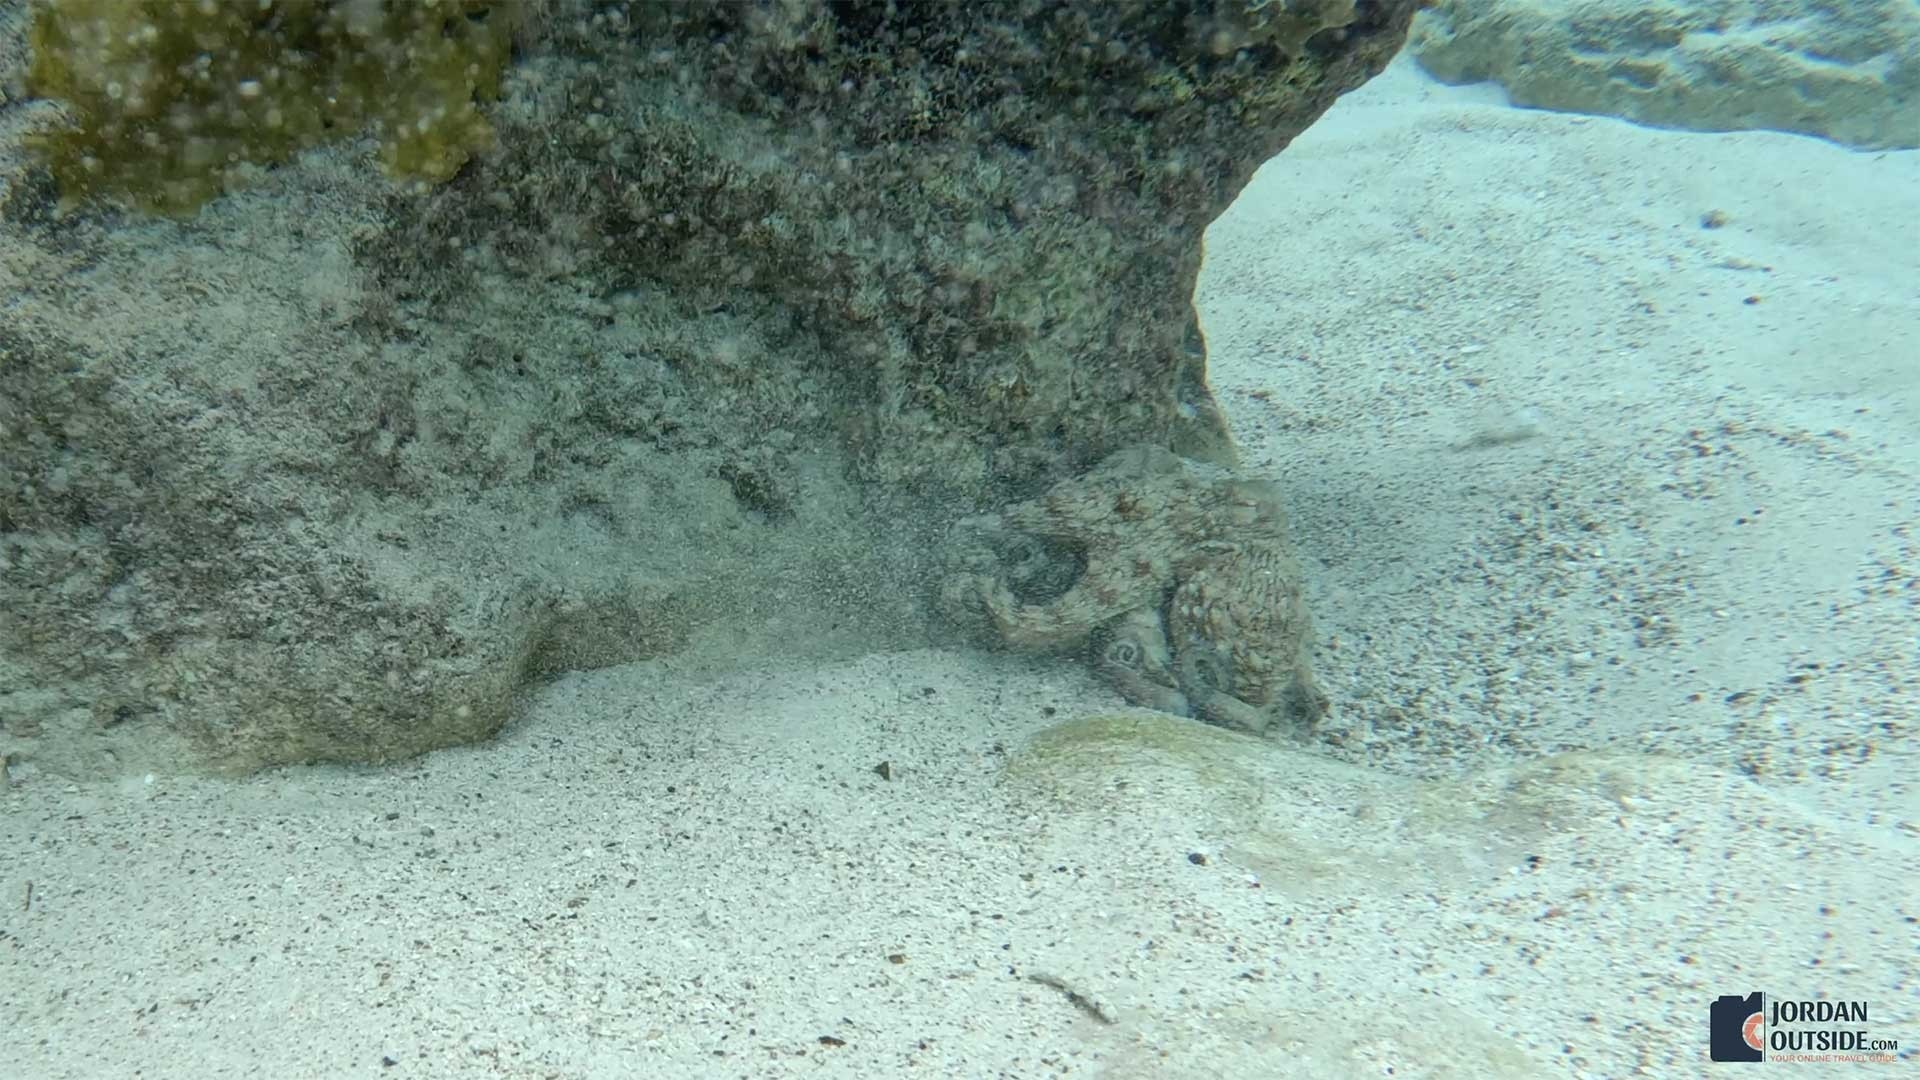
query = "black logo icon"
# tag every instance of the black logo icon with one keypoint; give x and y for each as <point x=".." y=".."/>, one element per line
<point x="1738" y="1027"/>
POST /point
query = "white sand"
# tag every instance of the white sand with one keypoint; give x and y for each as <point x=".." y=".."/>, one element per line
<point x="1613" y="569"/>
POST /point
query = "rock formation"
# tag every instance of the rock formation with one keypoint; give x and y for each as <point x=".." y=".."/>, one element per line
<point x="1849" y="72"/>
<point x="746" y="306"/>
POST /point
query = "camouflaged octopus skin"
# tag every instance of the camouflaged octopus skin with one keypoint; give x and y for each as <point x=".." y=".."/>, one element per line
<point x="1190" y="598"/>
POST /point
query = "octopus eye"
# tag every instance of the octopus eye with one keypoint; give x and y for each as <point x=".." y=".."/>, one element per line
<point x="1124" y="654"/>
<point x="1207" y="671"/>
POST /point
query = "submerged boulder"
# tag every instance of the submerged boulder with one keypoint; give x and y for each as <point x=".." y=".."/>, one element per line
<point x="1846" y="72"/>
<point x="745" y="305"/>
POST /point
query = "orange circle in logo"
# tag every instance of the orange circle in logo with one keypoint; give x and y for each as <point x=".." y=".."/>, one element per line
<point x="1750" y="1032"/>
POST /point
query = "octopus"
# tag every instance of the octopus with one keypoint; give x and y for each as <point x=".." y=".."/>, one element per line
<point x="1174" y="576"/>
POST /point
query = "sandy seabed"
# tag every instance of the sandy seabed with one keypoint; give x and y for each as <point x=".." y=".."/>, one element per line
<point x="1610" y="524"/>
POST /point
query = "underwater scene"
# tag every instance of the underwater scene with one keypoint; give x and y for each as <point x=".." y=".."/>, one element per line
<point x="1123" y="539"/>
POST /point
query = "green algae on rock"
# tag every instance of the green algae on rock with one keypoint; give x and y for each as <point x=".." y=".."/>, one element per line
<point x="172" y="102"/>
